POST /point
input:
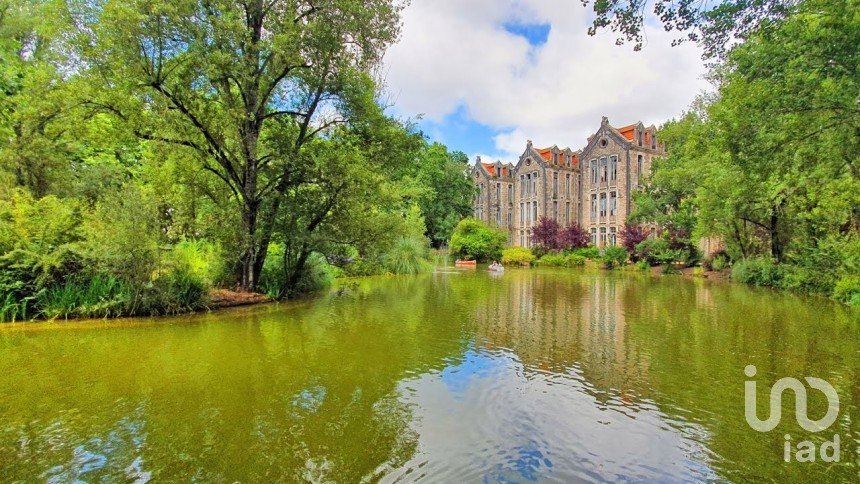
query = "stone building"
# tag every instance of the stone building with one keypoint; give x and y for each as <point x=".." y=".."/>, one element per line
<point x="494" y="202"/>
<point x="591" y="187"/>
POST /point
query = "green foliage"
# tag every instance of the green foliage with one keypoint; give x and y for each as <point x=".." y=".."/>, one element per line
<point x="364" y="267"/>
<point x="574" y="260"/>
<point x="551" y="260"/>
<point x="719" y="262"/>
<point x="202" y="259"/>
<point x="443" y="193"/>
<point x="561" y="260"/>
<point x="408" y="256"/>
<point x="760" y="271"/>
<point x="474" y="240"/>
<point x="591" y="252"/>
<point x="847" y="290"/>
<point x="275" y="282"/>
<point x="521" y="256"/>
<point x="613" y="256"/>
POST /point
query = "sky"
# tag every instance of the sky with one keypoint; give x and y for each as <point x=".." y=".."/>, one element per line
<point x="487" y="75"/>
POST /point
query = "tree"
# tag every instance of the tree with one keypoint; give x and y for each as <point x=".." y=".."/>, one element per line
<point x="474" y="240"/>
<point x="545" y="234"/>
<point x="714" y="25"/>
<point x="631" y="235"/>
<point x="244" y="85"/>
<point x="445" y="193"/>
<point x="573" y="237"/>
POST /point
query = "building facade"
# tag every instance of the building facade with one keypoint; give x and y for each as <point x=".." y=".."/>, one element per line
<point x="591" y="187"/>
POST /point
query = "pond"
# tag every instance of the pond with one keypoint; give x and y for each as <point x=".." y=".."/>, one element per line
<point x="456" y="376"/>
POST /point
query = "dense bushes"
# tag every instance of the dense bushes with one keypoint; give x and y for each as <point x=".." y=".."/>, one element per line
<point x="561" y="260"/>
<point x="758" y="272"/>
<point x="60" y="258"/>
<point x="614" y="256"/>
<point x="408" y="256"/>
<point x="517" y="256"/>
<point x="474" y="240"/>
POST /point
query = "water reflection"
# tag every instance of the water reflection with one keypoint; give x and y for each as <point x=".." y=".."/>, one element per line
<point x="534" y="375"/>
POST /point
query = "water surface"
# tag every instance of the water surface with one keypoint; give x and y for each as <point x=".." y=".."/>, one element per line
<point x="456" y="377"/>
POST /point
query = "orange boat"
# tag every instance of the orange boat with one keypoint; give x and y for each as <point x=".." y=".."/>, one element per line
<point x="465" y="263"/>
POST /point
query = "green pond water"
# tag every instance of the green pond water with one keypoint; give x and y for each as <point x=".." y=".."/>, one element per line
<point x="448" y="377"/>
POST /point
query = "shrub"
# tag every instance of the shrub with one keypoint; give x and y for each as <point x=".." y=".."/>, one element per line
<point x="643" y="265"/>
<point x="473" y="240"/>
<point x="551" y="260"/>
<point x="654" y="251"/>
<point x="614" y="256"/>
<point x="573" y="237"/>
<point x="202" y="258"/>
<point x="719" y="262"/>
<point x="362" y="267"/>
<point x="574" y="260"/>
<point x="545" y="234"/>
<point x="274" y="280"/>
<point x="408" y="256"/>
<point x="518" y="256"/>
<point x="561" y="260"/>
<point x="590" y="252"/>
<point x="847" y="290"/>
<point x="631" y="235"/>
<point x="758" y="272"/>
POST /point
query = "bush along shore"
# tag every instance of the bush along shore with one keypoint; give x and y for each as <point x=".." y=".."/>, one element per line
<point x="665" y="251"/>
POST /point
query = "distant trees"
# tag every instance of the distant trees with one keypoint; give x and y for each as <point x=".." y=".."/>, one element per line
<point x="440" y="186"/>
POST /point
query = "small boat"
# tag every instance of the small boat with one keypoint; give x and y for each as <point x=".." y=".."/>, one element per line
<point x="465" y="263"/>
<point x="496" y="268"/>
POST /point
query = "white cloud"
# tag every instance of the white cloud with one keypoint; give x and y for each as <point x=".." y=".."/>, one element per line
<point x="454" y="53"/>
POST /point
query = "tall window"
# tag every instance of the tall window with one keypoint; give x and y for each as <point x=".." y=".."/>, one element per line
<point x="567" y="185"/>
<point x="522" y="214"/>
<point x="567" y="213"/>
<point x="534" y="211"/>
<point x="510" y="216"/>
<point x="555" y="184"/>
<point x="613" y="204"/>
<point x="529" y="184"/>
<point x="555" y="210"/>
<point x="534" y="184"/>
<point x="639" y="168"/>
<point x="613" y="168"/>
<point x="602" y="236"/>
<point x="602" y="170"/>
<point x="498" y="193"/>
<point x="594" y="207"/>
<point x="510" y="194"/>
<point x="593" y="164"/>
<point x="593" y="236"/>
<point x="612" y="238"/>
<point x="522" y="185"/>
<point x="602" y="204"/>
<point x="653" y="141"/>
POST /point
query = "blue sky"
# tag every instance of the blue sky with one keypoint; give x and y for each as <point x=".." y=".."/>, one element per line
<point x="486" y="75"/>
